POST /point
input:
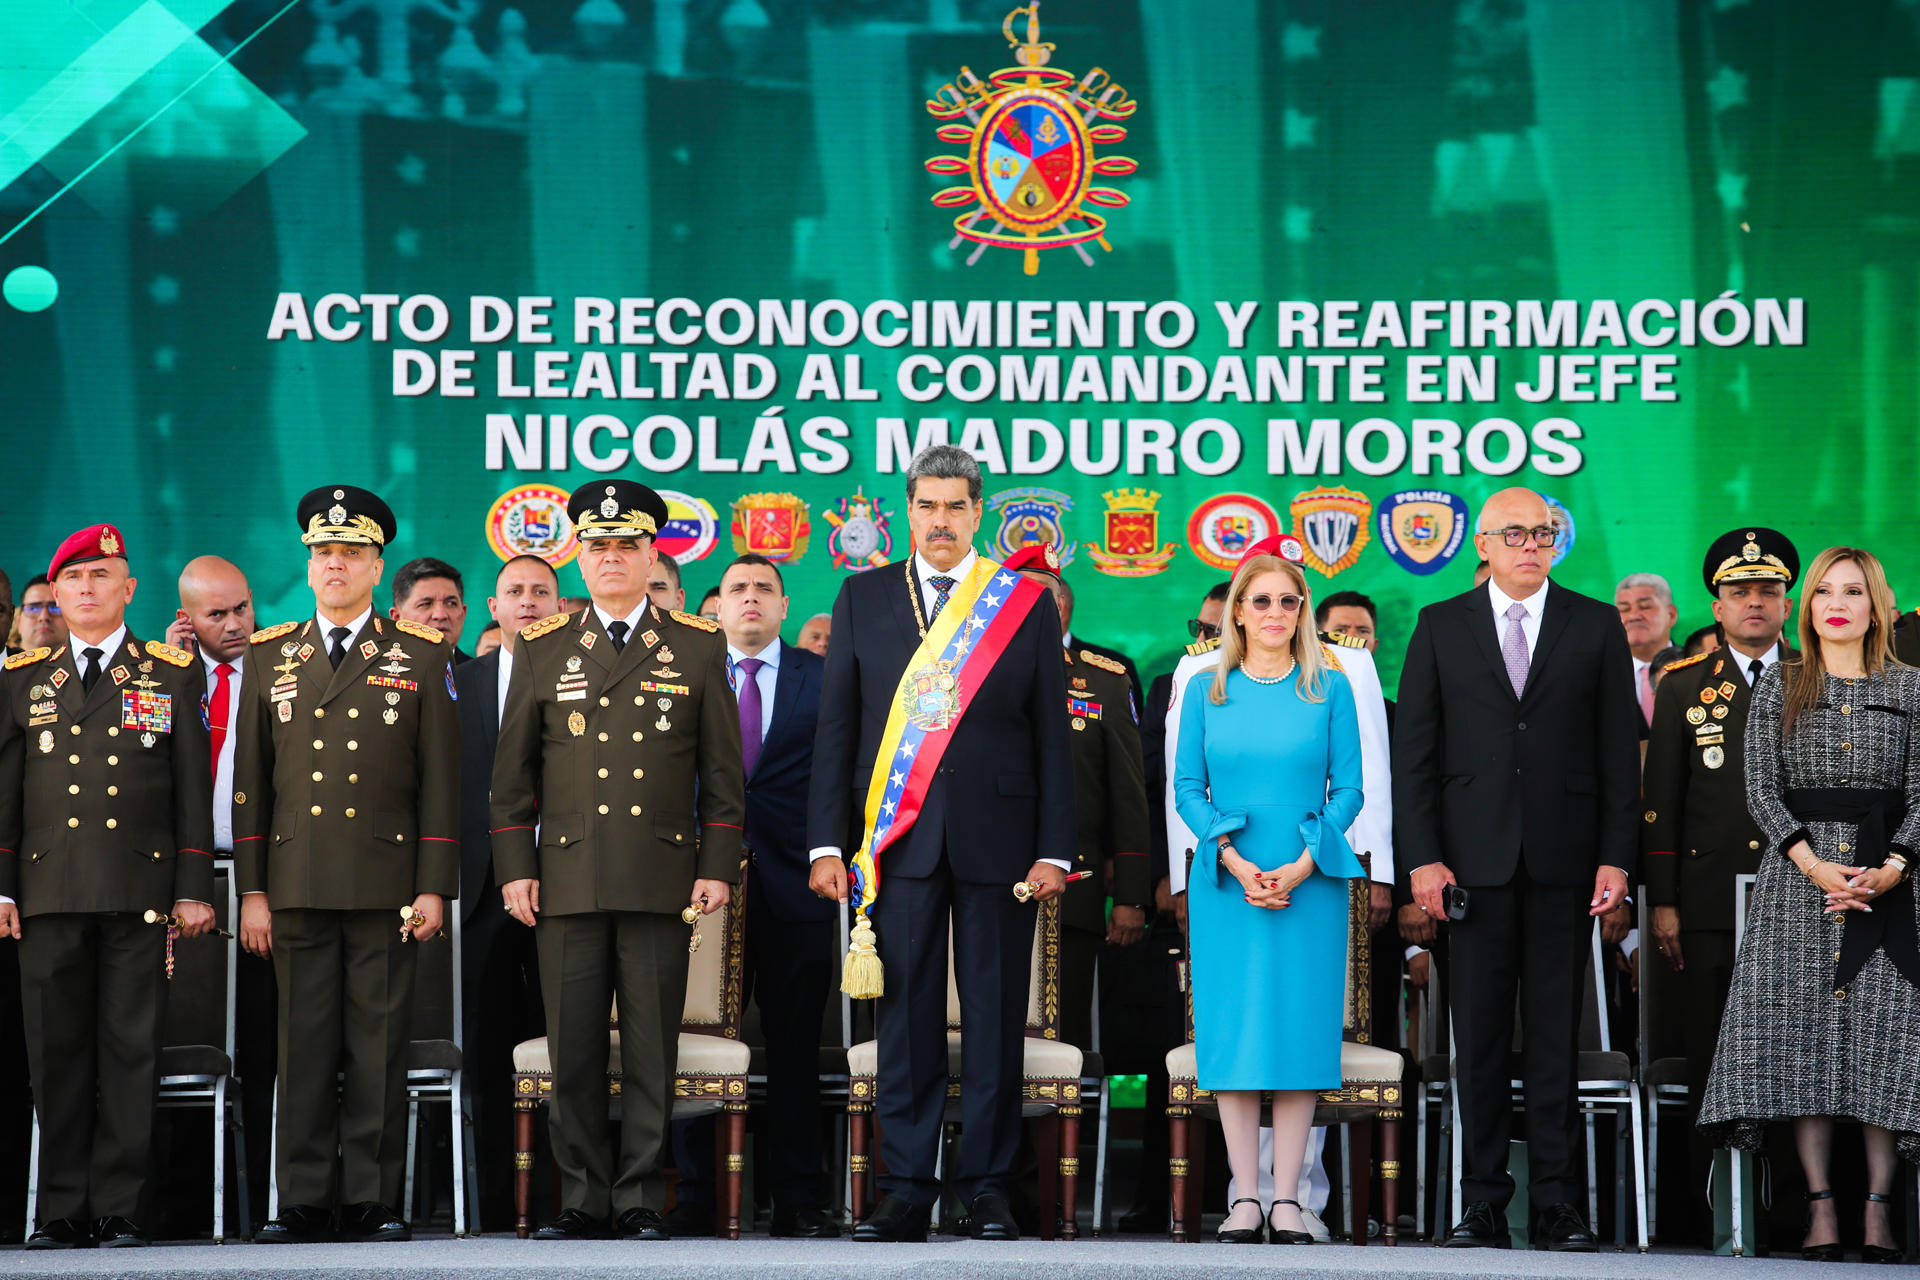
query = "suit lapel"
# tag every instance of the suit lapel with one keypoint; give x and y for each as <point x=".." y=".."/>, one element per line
<point x="1479" y="607"/>
<point x="638" y="652"/>
<point x="316" y="673"/>
<point x="490" y="690"/>
<point x="357" y="660"/>
<point x="787" y="678"/>
<point x="902" y="602"/>
<point x="1553" y="622"/>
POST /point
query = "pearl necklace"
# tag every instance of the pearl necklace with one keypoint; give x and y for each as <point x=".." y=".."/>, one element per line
<point x="1266" y="679"/>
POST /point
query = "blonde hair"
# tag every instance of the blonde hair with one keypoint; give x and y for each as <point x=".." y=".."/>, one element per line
<point x="1805" y="676"/>
<point x="1233" y="637"/>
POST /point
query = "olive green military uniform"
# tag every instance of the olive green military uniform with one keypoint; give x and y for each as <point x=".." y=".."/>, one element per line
<point x="106" y="812"/>
<point x="617" y="783"/>
<point x="346" y="807"/>
<point x="1110" y="796"/>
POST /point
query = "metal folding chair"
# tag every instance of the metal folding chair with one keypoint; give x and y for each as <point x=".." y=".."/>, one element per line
<point x="436" y="1074"/>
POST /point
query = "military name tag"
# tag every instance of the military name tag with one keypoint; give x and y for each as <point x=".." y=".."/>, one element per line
<point x="146" y="710"/>
<point x="571" y="695"/>
<point x="282" y="692"/>
<point x="394" y="682"/>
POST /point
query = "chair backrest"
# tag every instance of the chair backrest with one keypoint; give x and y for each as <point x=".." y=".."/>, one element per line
<point x="1043" y="980"/>
<point x="716" y="973"/>
<point x="200" y="997"/>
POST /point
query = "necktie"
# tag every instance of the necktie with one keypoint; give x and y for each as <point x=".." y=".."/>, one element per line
<point x="749" y="695"/>
<point x="1753" y="673"/>
<point x="92" y="673"/>
<point x="1514" y="648"/>
<point x="1646" y="693"/>
<point x="217" y="712"/>
<point x="338" y="652"/>
<point x="944" y="586"/>
<point x="617" y="633"/>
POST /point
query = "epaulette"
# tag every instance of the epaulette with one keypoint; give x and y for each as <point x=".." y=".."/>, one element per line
<point x="167" y="653"/>
<point x="432" y="635"/>
<point x="1332" y="659"/>
<point x="1686" y="662"/>
<point x="552" y="622"/>
<point x="1344" y="641"/>
<point x="1199" y="647"/>
<point x="28" y="657"/>
<point x="274" y="632"/>
<point x="1103" y="662"/>
<point x="695" y="621"/>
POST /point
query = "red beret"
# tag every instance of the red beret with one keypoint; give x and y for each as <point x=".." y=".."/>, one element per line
<point x="96" y="542"/>
<point x="1035" y="557"/>
<point x="1284" y="545"/>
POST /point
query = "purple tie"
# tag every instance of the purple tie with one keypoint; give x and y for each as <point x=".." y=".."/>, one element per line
<point x="749" y="693"/>
<point x="1514" y="648"/>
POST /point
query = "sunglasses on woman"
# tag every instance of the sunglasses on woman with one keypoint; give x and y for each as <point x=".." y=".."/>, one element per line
<point x="1289" y="603"/>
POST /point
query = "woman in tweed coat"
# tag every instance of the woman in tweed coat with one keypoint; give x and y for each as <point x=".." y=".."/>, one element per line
<point x="1824" y="1016"/>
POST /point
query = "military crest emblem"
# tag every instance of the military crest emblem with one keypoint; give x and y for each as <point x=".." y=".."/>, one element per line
<point x="1222" y="528"/>
<point x="692" y="527"/>
<point x="1031" y="138"/>
<point x="1563" y="521"/>
<point x="773" y="525"/>
<point x="860" y="539"/>
<point x="931" y="697"/>
<point x="531" y="520"/>
<point x="1029" y="516"/>
<point x="1422" y="530"/>
<point x="1130" y="547"/>
<point x="1331" y="522"/>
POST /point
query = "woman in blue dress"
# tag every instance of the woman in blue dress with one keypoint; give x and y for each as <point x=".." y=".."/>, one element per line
<point x="1268" y="778"/>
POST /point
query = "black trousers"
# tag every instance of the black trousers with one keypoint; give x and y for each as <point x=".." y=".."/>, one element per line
<point x="16" y="1097"/>
<point x="1533" y="940"/>
<point x="992" y="950"/>
<point x="1080" y="951"/>
<point x="256" y="1054"/>
<point x="1704" y="985"/>
<point x="94" y="991"/>
<point x="501" y="1007"/>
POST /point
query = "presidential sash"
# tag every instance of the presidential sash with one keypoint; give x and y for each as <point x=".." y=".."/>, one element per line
<point x="954" y="658"/>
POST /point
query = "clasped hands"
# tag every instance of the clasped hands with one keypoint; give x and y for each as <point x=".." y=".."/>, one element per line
<point x="1846" y="888"/>
<point x="1267" y="889"/>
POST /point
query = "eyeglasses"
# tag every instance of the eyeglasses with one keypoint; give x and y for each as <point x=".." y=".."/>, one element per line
<point x="1289" y="603"/>
<point x="40" y="608"/>
<point x="1514" y="536"/>
<point x="1202" y="630"/>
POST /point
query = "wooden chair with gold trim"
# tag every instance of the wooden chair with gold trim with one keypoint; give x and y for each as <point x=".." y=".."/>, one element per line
<point x="1049" y="1086"/>
<point x="1371" y="1090"/>
<point x="710" y="1073"/>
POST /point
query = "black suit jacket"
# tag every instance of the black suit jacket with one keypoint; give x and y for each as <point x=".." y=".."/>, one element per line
<point x="777" y="790"/>
<point x="478" y="681"/>
<point x="1484" y="781"/>
<point x="1003" y="797"/>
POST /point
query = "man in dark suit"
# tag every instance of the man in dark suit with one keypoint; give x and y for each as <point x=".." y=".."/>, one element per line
<point x="499" y="963"/>
<point x="1516" y="779"/>
<point x="999" y="809"/>
<point x="432" y="593"/>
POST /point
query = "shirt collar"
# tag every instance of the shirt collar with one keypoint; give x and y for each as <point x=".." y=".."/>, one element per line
<point x="1502" y="601"/>
<point x="108" y="648"/>
<point x="769" y="655"/>
<point x="632" y="620"/>
<point x="506" y="664"/>
<point x="211" y="663"/>
<point x="1741" y="660"/>
<point x="353" y="628"/>
<point x="958" y="573"/>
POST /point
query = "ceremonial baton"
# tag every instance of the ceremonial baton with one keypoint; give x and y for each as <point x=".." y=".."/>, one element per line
<point x="1025" y="890"/>
<point x="173" y="932"/>
<point x="411" y="920"/>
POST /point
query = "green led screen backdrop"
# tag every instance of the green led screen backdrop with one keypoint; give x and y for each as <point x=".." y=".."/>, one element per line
<point x="1179" y="272"/>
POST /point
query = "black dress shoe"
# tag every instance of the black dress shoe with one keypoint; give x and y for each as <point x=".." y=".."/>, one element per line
<point x="1563" y="1230"/>
<point x="1240" y="1235"/>
<point x="61" y="1233"/>
<point x="370" y="1221"/>
<point x="572" y="1224"/>
<point x="1876" y="1255"/>
<point x="297" y="1224"/>
<point x="895" y="1221"/>
<point x="1143" y="1221"/>
<point x="992" y="1217"/>
<point x="1479" y="1228"/>
<point x="688" y="1220"/>
<point x="641" y="1224"/>
<point x="118" y="1233"/>
<point x="807" y="1222"/>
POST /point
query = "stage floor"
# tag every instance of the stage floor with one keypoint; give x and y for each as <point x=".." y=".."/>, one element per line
<point x="488" y="1257"/>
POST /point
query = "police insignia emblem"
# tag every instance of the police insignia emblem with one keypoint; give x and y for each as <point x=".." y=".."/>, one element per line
<point x="286" y="711"/>
<point x="109" y="544"/>
<point x="531" y="520"/>
<point x="773" y="525"/>
<point x="576" y="724"/>
<point x="860" y="539"/>
<point x="1719" y="712"/>
<point x="1030" y="159"/>
<point x="336" y="514"/>
<point x="1029" y="516"/>
<point x="666" y="651"/>
<point x="609" y="506"/>
<point x="662" y="724"/>
<point x="573" y="662"/>
<point x="1708" y="695"/>
<point x="147" y="740"/>
<point x="1422" y="530"/>
<point x="390" y="716"/>
<point x="1222" y="528"/>
<point x="46" y="742"/>
<point x="1331" y="522"/>
<point x="1130" y="544"/>
<point x="931" y="697"/>
<point x="1696" y="715"/>
<point x="1713" y="757"/>
<point x="1563" y="521"/>
<point x="665" y="704"/>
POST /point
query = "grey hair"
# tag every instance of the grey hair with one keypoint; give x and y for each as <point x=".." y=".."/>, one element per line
<point x="1654" y="580"/>
<point x="944" y="462"/>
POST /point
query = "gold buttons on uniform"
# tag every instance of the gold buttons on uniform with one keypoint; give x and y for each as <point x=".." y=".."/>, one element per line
<point x="74" y="730"/>
<point x="239" y="797"/>
<point x="1753" y="844"/>
<point x="640" y="701"/>
<point x="639" y="773"/>
<point x="563" y="839"/>
<point x="73" y="822"/>
<point x="316" y="811"/>
<point x="353" y="777"/>
<point x="603" y="773"/>
<point x="73" y="759"/>
<point x="401" y="836"/>
<point x="113" y="731"/>
<point x="606" y="702"/>
<point x="112" y="823"/>
<point x="317" y="775"/>
<point x="73" y="788"/>
<point x="1845" y="847"/>
<point x="636" y="811"/>
<point x="319" y="713"/>
<point x="353" y="713"/>
<point x="318" y="744"/>
<point x="113" y="791"/>
<point x="637" y="735"/>
<point x="603" y="735"/>
<point x="113" y="759"/>
<point x="603" y="808"/>
<point x="679" y="839"/>
<point x="352" y="745"/>
<point x="349" y="813"/>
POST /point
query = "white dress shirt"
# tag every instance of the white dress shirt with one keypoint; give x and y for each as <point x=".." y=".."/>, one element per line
<point x="1529" y="622"/>
<point x="223" y="767"/>
<point x="1741" y="660"/>
<point x="326" y="626"/>
<point x="928" y="594"/>
<point x="764" y="677"/>
<point x="506" y="674"/>
<point x="632" y="620"/>
<point x="107" y="648"/>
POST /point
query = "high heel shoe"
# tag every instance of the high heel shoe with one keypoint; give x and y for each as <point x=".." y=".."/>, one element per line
<point x="1279" y="1235"/>
<point x="1819" y="1252"/>
<point x="1873" y="1252"/>
<point x="1240" y="1235"/>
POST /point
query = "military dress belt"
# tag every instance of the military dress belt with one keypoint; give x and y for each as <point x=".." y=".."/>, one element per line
<point x="1890" y="925"/>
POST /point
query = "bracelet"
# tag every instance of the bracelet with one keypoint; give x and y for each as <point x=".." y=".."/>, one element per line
<point x="1897" y="862"/>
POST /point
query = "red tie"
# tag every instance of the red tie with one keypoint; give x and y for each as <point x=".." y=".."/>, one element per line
<point x="217" y="712"/>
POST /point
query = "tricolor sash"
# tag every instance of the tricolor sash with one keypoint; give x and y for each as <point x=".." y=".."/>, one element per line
<point x="954" y="658"/>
